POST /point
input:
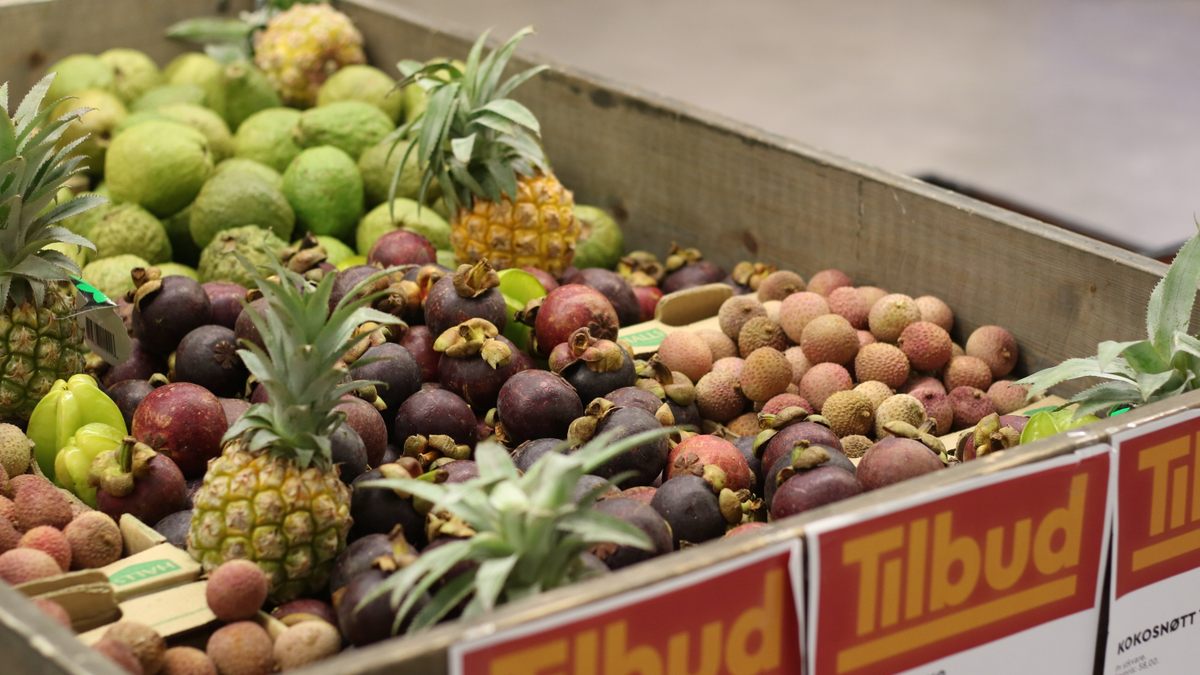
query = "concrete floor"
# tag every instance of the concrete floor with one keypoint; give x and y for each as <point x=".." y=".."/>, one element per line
<point x="1086" y="110"/>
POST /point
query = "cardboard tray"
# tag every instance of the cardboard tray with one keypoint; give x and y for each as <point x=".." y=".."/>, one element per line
<point x="674" y="173"/>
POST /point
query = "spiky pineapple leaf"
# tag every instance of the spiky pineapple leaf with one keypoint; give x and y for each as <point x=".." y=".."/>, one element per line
<point x="1170" y="308"/>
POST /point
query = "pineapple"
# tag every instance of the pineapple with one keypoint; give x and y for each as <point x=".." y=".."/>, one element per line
<point x="273" y="496"/>
<point x="40" y="342"/>
<point x="303" y="46"/>
<point x="484" y="150"/>
<point x="521" y="533"/>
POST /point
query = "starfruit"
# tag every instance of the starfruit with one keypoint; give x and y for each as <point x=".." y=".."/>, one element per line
<point x="69" y="405"/>
<point x="1046" y="423"/>
<point x="74" y="461"/>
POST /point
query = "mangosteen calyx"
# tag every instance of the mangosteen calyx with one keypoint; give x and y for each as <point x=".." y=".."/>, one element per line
<point x="751" y="274"/>
<point x="679" y="257"/>
<point x="804" y="457"/>
<point x="528" y="315"/>
<point x="474" y="337"/>
<point x="370" y="334"/>
<point x="472" y="281"/>
<point x="116" y="471"/>
<point x="641" y="268"/>
<point x="738" y="506"/>
<point x="664" y="416"/>
<point x="583" y="429"/>
<point x="990" y="436"/>
<point x="600" y="356"/>
<point x="428" y="449"/>
<point x="305" y="257"/>
<point x="905" y="430"/>
<point x="444" y="524"/>
<point x="655" y="377"/>
<point x="146" y="282"/>
<point x="691" y="463"/>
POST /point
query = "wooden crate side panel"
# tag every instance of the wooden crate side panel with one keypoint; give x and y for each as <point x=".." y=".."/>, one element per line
<point x="39" y="33"/>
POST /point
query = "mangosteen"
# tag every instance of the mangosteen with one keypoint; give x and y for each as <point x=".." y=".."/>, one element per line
<point x="565" y="310"/>
<point x="686" y="268"/>
<point x="535" y="404"/>
<point x="361" y="555"/>
<point x="696" y="454"/>
<point x="544" y="278"/>
<point x="435" y="423"/>
<point x="459" y="470"/>
<point x="812" y="488"/>
<point x="347" y="279"/>
<point x="395" y="369"/>
<point x="258" y="394"/>
<point x="234" y="408"/>
<point x="472" y="292"/>
<point x="745" y="445"/>
<point x="477" y="361"/>
<point x="368" y="422"/>
<point x="894" y="459"/>
<point x="690" y="507"/>
<point x="803" y="457"/>
<point x="674" y="389"/>
<point x="639" y="493"/>
<point x="401" y="247"/>
<point x="184" y="422"/>
<point x="363" y="624"/>
<point x="427" y="274"/>
<point x="305" y="609"/>
<point x="634" y="397"/>
<point x="348" y="452"/>
<point x="208" y="356"/>
<point x="529" y="452"/>
<point x="135" y="479"/>
<point x="166" y="308"/>
<point x="594" y="487"/>
<point x="594" y="367"/>
<point x="789" y="427"/>
<point x="641" y="516"/>
<point x="174" y="527"/>
<point x="225" y="300"/>
<point x="244" y="327"/>
<point x="128" y="395"/>
<point x="380" y="511"/>
<point x="418" y="340"/>
<point x="647" y="297"/>
<point x="617" y="290"/>
<point x="644" y="461"/>
<point x="140" y="365"/>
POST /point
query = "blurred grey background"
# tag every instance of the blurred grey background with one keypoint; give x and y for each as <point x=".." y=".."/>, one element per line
<point x="1082" y="112"/>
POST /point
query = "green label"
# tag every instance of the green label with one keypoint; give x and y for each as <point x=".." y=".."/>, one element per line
<point x="143" y="571"/>
<point x="646" y="338"/>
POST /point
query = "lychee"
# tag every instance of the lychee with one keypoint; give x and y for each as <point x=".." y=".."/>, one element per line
<point x="236" y="590"/>
<point x="187" y="661"/>
<point x="9" y="537"/>
<point x="767" y="373"/>
<point x="898" y="408"/>
<point x="26" y="564"/>
<point x="241" y="648"/>
<point x="7" y="509"/>
<point x="967" y="371"/>
<point x="686" y="352"/>
<point x="718" y="398"/>
<point x="120" y="654"/>
<point x="798" y="309"/>
<point x="848" y="303"/>
<point x="736" y="311"/>
<point x="865" y="338"/>
<point x="937" y="408"/>
<point x="890" y="315"/>
<point x="848" y="412"/>
<point x="870" y="295"/>
<point x="822" y="380"/>
<point x="772" y="307"/>
<point x="15" y="450"/>
<point x="306" y="642"/>
<point x="829" y="339"/>
<point x="50" y="541"/>
<point x="95" y="540"/>
<point x="41" y="505"/>
<point x="825" y="281"/>
<point x="883" y="362"/>
<point x="926" y="344"/>
<point x="996" y="347"/>
<point x="760" y="332"/>
<point x="856" y="445"/>
<point x="875" y="391"/>
<point x="745" y="424"/>
<point x="147" y="645"/>
<point x="778" y="403"/>
<point x="718" y="343"/>
<point x="778" y="285"/>
<point x="936" y="311"/>
<point x="730" y="366"/>
<point x="1007" y="396"/>
<point x="18" y="483"/>
<point x="54" y="611"/>
<point x="970" y="405"/>
<point x="800" y="363"/>
<point x="923" y="382"/>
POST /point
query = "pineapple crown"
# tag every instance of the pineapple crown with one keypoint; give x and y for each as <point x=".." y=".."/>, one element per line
<point x="302" y="368"/>
<point x="472" y="138"/>
<point x="32" y="170"/>
<point x="1136" y="372"/>
<point x="529" y="531"/>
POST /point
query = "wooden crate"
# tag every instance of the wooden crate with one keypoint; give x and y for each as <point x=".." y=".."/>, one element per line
<point x="674" y="173"/>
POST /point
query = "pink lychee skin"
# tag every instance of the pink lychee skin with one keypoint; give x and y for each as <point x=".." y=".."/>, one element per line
<point x="26" y="564"/>
<point x="937" y="408"/>
<point x="800" y="363"/>
<point x="825" y="281"/>
<point x="926" y="382"/>
<point x="730" y="366"/>
<point x="822" y="380"/>
<point x="797" y="310"/>
<point x="778" y="403"/>
<point x="236" y="590"/>
<point x="1001" y="360"/>
<point x="686" y="352"/>
<point x="865" y="338"/>
<point x="970" y="405"/>
<point x="717" y="451"/>
<point x="718" y="343"/>
<point x="51" y="541"/>
<point x="846" y="301"/>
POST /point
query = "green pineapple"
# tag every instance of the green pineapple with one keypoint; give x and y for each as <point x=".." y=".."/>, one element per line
<point x="527" y="532"/>
<point x="273" y="496"/>
<point x="39" y="341"/>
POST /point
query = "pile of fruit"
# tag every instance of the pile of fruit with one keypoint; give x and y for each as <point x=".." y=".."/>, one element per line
<point x="420" y="408"/>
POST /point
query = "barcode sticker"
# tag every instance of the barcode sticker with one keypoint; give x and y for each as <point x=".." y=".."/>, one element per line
<point x="103" y="329"/>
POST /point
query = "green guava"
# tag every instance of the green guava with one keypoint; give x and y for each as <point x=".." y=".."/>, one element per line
<point x="203" y="71"/>
<point x="351" y="126"/>
<point x="405" y="214"/>
<point x="99" y="125"/>
<point x="178" y="269"/>
<point x="247" y="91"/>
<point x="267" y="137"/>
<point x="167" y="94"/>
<point x="335" y="250"/>
<point x="134" y="73"/>
<point x="236" y="198"/>
<point x="159" y="164"/>
<point x="219" y="260"/>
<point x="324" y="187"/>
<point x="378" y="164"/>
<point x="363" y="83"/>
<point x="601" y="242"/>
<point x="128" y="228"/>
<point x="76" y="73"/>
<point x="250" y="166"/>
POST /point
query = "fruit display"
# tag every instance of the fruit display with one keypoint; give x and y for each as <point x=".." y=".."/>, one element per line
<point x="376" y="376"/>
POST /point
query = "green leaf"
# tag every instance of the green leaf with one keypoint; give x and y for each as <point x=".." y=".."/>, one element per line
<point x="1170" y="307"/>
<point x="1109" y="350"/>
<point x="517" y="113"/>
<point x="462" y="148"/>
<point x="1070" y="369"/>
<point x="490" y="579"/>
<point x="444" y="601"/>
<point x="1145" y="357"/>
<point x="209" y="30"/>
<point x="517" y="80"/>
<point x="599" y="528"/>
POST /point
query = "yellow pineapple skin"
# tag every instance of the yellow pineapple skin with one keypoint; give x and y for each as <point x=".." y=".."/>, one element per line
<point x="291" y="522"/>
<point x="38" y="345"/>
<point x="538" y="229"/>
<point x="302" y="46"/>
